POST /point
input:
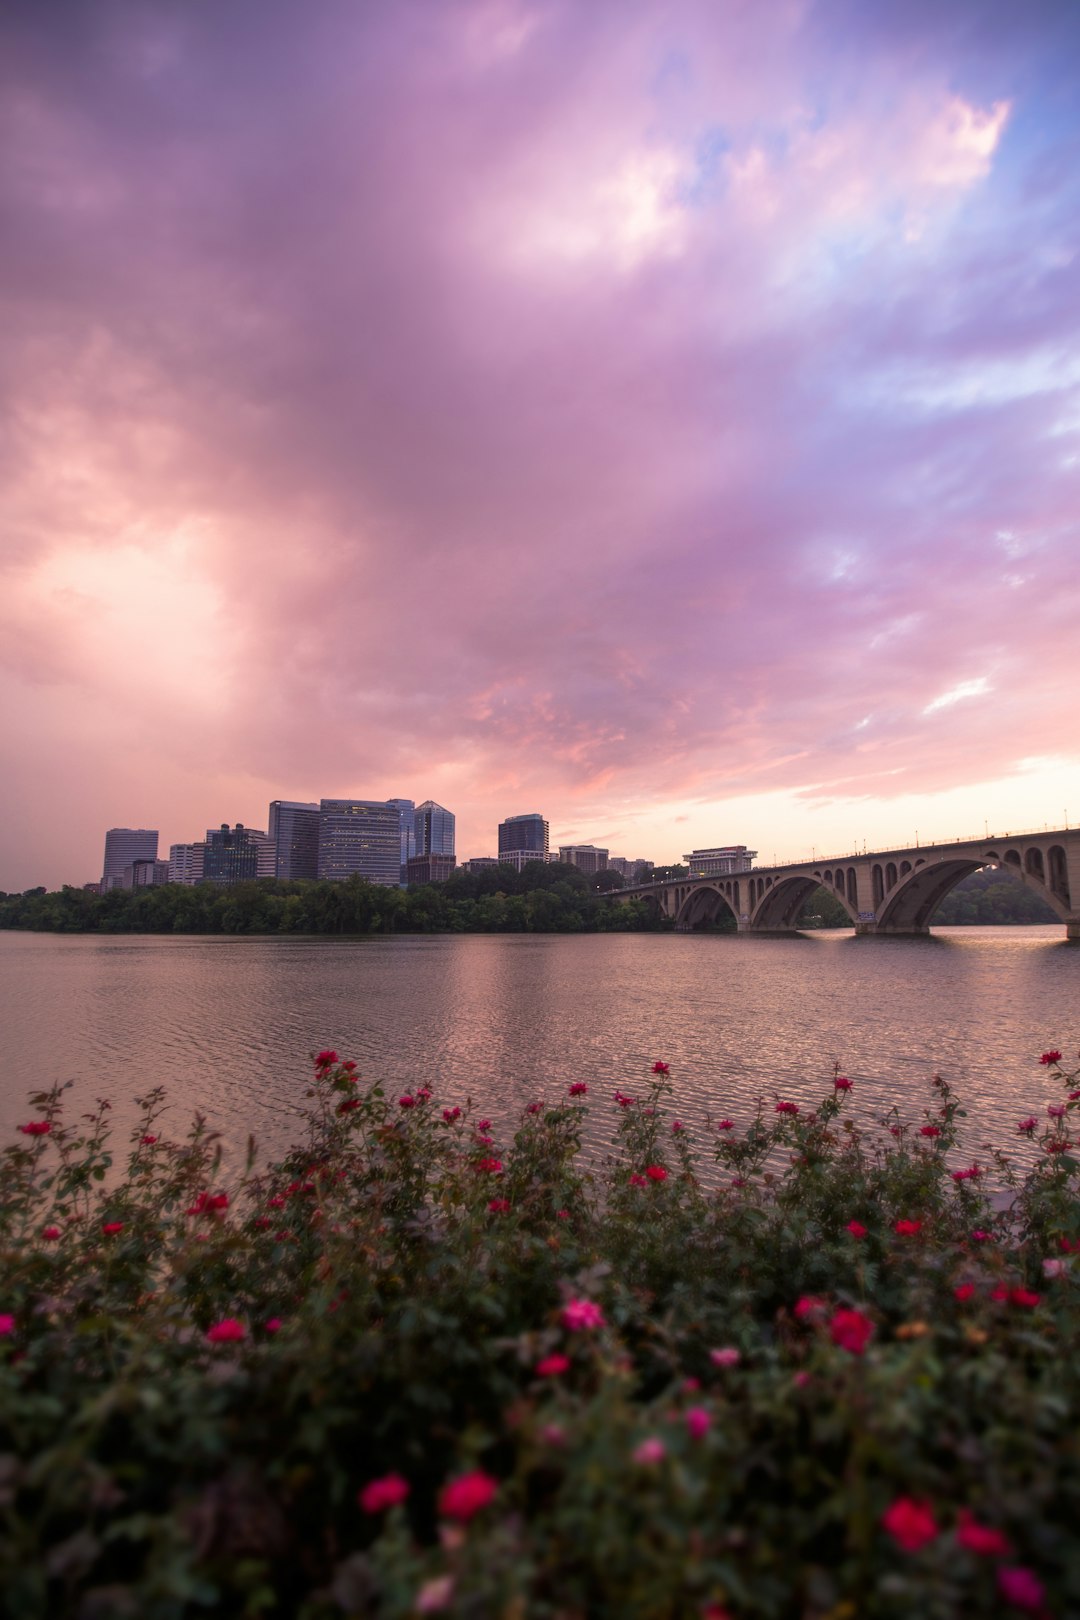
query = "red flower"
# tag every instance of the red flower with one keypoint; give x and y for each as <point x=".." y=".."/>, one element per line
<point x="851" y="1330"/>
<point x="726" y="1125"/>
<point x="37" y="1127"/>
<point x="1021" y="1587"/>
<point x="499" y="1206"/>
<point x="465" y="1496"/>
<point x="656" y="1172"/>
<point x="578" y="1089"/>
<point x="227" y="1331"/>
<point x="624" y="1102"/>
<point x="971" y="1174"/>
<point x="662" y="1068"/>
<point x="979" y="1236"/>
<point x="552" y="1366"/>
<point x="929" y="1130"/>
<point x="489" y="1164"/>
<point x="1050" y="1057"/>
<point x="809" y="1307"/>
<point x="841" y="1084"/>
<point x="637" y="1181"/>
<point x="450" y="1114"/>
<point x="1024" y="1298"/>
<point x="325" y="1060"/>
<point x="262" y="1224"/>
<point x="857" y="1229"/>
<point x="580" y="1315"/>
<point x="787" y="1108"/>
<point x="50" y="1233"/>
<point x="907" y="1228"/>
<point x="965" y="1292"/>
<point x="1028" y="1125"/>
<point x="406" y="1101"/>
<point x="980" y="1538"/>
<point x="112" y="1227"/>
<point x="379" y="1494"/>
<point x="534" y="1108"/>
<point x="423" y="1095"/>
<point x="911" y="1524"/>
<point x="273" y="1325"/>
<point x="483" y="1124"/>
<point x="348" y="1105"/>
<point x="148" y="1141"/>
<point x="562" y="1214"/>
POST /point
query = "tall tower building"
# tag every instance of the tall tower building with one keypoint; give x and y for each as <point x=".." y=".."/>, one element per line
<point x="524" y="832"/>
<point x="231" y="855"/>
<point x="293" y="829"/>
<point x="123" y="847"/>
<point x="361" y="837"/>
<point x="406" y="809"/>
<point x="434" y="829"/>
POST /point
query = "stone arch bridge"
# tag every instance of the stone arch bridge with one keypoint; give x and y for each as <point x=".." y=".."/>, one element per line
<point x="892" y="891"/>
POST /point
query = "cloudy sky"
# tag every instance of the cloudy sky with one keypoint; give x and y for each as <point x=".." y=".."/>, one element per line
<point x="662" y="416"/>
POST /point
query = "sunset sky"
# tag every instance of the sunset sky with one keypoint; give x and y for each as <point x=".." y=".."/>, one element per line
<point x="662" y="416"/>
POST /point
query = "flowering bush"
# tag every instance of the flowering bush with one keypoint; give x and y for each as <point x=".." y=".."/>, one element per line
<point x="817" y="1368"/>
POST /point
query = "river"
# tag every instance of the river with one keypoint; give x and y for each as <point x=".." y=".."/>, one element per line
<point x="226" y="1024"/>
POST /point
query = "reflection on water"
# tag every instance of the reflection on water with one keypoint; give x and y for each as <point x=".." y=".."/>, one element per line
<point x="227" y="1025"/>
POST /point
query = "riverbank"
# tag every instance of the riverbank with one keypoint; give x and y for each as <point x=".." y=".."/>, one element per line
<point x="425" y="1365"/>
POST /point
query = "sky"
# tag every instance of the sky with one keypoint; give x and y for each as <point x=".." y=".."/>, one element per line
<point x="664" y="417"/>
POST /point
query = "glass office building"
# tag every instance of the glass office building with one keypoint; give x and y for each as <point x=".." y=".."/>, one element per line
<point x="360" y="837"/>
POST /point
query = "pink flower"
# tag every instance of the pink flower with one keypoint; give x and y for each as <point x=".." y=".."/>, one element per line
<point x="907" y="1228"/>
<point x="450" y="1114"/>
<point x="111" y="1228"/>
<point x="851" y="1330"/>
<point x="227" y="1331"/>
<point x="970" y="1174"/>
<point x="578" y="1089"/>
<point x="690" y="1386"/>
<point x="656" y="1172"/>
<point x="980" y="1538"/>
<point x="636" y="1180"/>
<point x="965" y="1292"/>
<point x="624" y="1102"/>
<point x="809" y="1308"/>
<point x="841" y="1084"/>
<point x="493" y="1165"/>
<point x="379" y="1494"/>
<point x="51" y="1233"/>
<point x="275" y="1203"/>
<point x="553" y="1434"/>
<point x="650" y="1452"/>
<point x="148" y="1141"/>
<point x="534" y="1108"/>
<point x="581" y="1315"/>
<point x="465" y="1496"/>
<point x="1021" y="1587"/>
<point x="1056" y="1110"/>
<point x="1050" y="1057"/>
<point x="662" y="1068"/>
<point x="979" y="1236"/>
<point x="1028" y="1125"/>
<point x="929" y="1130"/>
<point x="37" y="1127"/>
<point x="911" y="1524"/>
<point x="1051" y="1268"/>
<point x="499" y="1206"/>
<point x="407" y="1101"/>
<point x="483" y="1124"/>
<point x="801" y="1379"/>
<point x="677" y="1125"/>
<point x="787" y="1108"/>
<point x="726" y="1125"/>
<point x="726" y="1356"/>
<point x="273" y="1325"/>
<point x="562" y="1214"/>
<point x="698" y="1422"/>
<point x="857" y="1229"/>
<point x="552" y="1366"/>
<point x="423" y="1095"/>
<point x="435" y="1595"/>
<point x="7" y="1325"/>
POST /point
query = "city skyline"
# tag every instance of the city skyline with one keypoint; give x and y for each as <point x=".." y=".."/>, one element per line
<point x="664" y="416"/>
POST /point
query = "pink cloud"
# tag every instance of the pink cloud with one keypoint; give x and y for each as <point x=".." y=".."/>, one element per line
<point x="588" y="407"/>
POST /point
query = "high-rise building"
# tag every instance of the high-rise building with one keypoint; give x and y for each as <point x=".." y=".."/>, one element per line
<point x="586" y="857"/>
<point x="293" y="829"/>
<point x="361" y="837"/>
<point x="528" y="832"/>
<point x="266" y="863"/>
<point x="146" y="874"/>
<point x="517" y="858"/>
<point x="720" y="862"/>
<point x="187" y="863"/>
<point x="407" y="811"/>
<point x="125" y="845"/>
<point x="434" y="829"/>
<point x="231" y="856"/>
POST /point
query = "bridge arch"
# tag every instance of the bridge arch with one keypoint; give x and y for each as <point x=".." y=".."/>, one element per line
<point x="780" y="907"/>
<point x="707" y="903"/>
<point x="910" y="906"/>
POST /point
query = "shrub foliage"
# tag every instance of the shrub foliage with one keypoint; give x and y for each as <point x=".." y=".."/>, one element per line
<point x="805" y="1367"/>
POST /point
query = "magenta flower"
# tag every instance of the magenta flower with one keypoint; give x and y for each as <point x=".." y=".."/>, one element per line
<point x="663" y="1068"/>
<point x="726" y="1125"/>
<point x="553" y="1366"/>
<point x="787" y="1108"/>
<point x="841" y="1083"/>
<point x="464" y="1497"/>
<point x="578" y="1089"/>
<point x="51" y="1233"/>
<point x="450" y="1114"/>
<point x="726" y="1356"/>
<point x="650" y="1452"/>
<point x="981" y="1539"/>
<point x="698" y="1422"/>
<point x="7" y="1325"/>
<point x="581" y="1315"/>
<point x="1028" y="1125"/>
<point x="499" y="1206"/>
<point x="272" y="1325"/>
<point x="492" y="1165"/>
<point x="111" y="1228"/>
<point x="809" y="1308"/>
<point x="379" y="1494"/>
<point x="227" y="1331"/>
<point x="407" y="1101"/>
<point x="37" y="1127"/>
<point x="325" y="1060"/>
<point x="636" y="1180"/>
<point x="911" y="1524"/>
<point x="1019" y="1586"/>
